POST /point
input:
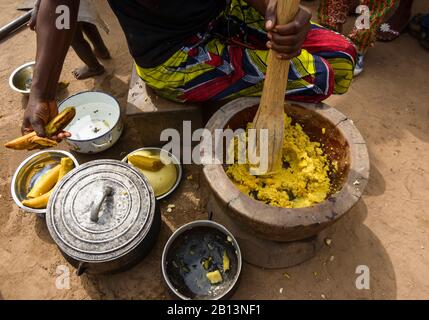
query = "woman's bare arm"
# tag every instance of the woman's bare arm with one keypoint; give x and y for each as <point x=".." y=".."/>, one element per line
<point x="52" y="46"/>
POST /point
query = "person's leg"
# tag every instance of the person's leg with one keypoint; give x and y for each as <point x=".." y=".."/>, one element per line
<point x="365" y="38"/>
<point x="220" y="69"/>
<point x="84" y="51"/>
<point x="325" y="65"/>
<point x="337" y="50"/>
<point x="333" y="13"/>
<point x="93" y="35"/>
<point x="397" y="23"/>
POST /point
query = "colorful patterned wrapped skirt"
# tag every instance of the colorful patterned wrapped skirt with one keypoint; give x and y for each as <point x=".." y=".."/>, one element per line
<point x="229" y="61"/>
<point x="333" y="13"/>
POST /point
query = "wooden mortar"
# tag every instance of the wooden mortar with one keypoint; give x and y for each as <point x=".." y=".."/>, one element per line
<point x="284" y="230"/>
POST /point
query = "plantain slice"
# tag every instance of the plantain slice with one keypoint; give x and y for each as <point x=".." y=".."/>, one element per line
<point x="214" y="277"/>
<point x="226" y="262"/>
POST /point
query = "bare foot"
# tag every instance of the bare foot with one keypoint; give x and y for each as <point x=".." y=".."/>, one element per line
<point x="102" y="53"/>
<point x="87" y="72"/>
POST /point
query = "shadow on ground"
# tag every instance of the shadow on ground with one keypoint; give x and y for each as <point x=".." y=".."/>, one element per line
<point x="332" y="273"/>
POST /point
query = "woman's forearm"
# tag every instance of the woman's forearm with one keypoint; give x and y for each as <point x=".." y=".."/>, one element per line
<point x="53" y="42"/>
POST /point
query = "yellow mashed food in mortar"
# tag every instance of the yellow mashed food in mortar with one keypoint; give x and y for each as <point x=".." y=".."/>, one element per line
<point x="303" y="180"/>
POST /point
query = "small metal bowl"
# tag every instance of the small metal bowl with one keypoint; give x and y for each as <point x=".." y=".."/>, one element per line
<point x="183" y="256"/>
<point x="21" y="78"/>
<point x="179" y="169"/>
<point x="23" y="179"/>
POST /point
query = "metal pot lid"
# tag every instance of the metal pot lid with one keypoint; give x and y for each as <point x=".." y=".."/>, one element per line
<point x="100" y="211"/>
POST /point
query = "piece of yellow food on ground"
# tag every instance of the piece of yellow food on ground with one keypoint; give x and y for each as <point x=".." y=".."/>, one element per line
<point x="214" y="277"/>
<point x="45" y="182"/>
<point x="226" y="262"/>
<point x="162" y="180"/>
<point x="41" y="202"/>
<point x="303" y="180"/>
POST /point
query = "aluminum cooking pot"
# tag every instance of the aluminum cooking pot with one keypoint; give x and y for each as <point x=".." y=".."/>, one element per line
<point x="103" y="217"/>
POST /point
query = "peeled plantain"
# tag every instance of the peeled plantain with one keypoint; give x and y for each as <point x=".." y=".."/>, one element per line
<point x="67" y="165"/>
<point x="145" y="162"/>
<point x="60" y="121"/>
<point x="45" y="183"/>
<point x="163" y="179"/>
<point x="31" y="141"/>
<point x="41" y="202"/>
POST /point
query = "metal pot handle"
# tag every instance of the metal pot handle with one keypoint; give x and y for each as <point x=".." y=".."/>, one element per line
<point x="96" y="204"/>
<point x="104" y="144"/>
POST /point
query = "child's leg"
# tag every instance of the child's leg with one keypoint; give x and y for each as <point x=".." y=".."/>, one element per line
<point x="93" y="35"/>
<point x="84" y="51"/>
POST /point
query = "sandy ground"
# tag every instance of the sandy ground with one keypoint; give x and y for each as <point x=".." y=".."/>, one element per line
<point x="388" y="230"/>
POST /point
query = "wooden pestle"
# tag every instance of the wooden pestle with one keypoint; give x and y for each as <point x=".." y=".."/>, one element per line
<point x="270" y="114"/>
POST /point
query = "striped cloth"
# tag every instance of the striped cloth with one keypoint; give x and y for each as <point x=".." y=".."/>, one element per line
<point x="333" y="14"/>
<point x="229" y="61"/>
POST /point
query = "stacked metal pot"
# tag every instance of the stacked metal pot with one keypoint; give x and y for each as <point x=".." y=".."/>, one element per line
<point x="103" y="217"/>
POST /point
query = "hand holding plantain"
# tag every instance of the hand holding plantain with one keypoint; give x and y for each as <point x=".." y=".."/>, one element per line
<point x="32" y="140"/>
